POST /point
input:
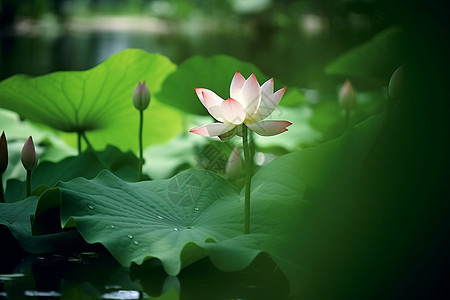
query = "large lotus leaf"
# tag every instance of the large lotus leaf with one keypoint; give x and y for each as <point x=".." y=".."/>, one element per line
<point x="214" y="73"/>
<point x="373" y="61"/>
<point x="97" y="101"/>
<point x="16" y="217"/>
<point x="165" y="219"/>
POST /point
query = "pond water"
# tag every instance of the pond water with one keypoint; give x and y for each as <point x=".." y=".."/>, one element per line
<point x="94" y="276"/>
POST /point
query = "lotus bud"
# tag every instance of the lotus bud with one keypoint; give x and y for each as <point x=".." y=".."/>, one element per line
<point x="28" y="155"/>
<point x="141" y="96"/>
<point x="234" y="164"/>
<point x="395" y="87"/>
<point x="3" y="153"/>
<point x="347" y="96"/>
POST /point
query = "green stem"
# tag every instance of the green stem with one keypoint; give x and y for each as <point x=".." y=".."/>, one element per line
<point x="79" y="142"/>
<point x="248" y="178"/>
<point x="141" y="154"/>
<point x="2" y="194"/>
<point x="28" y="183"/>
<point x="87" y="141"/>
<point x="347" y="118"/>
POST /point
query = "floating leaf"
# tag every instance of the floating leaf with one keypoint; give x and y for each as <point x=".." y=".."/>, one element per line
<point x="97" y="101"/>
<point x="162" y="219"/>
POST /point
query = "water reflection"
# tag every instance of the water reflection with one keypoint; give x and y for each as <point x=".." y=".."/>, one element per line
<point x="100" y="277"/>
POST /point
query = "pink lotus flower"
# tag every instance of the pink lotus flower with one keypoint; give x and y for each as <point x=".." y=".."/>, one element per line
<point x="249" y="104"/>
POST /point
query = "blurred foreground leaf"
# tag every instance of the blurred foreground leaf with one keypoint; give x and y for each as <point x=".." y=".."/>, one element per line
<point x="372" y="62"/>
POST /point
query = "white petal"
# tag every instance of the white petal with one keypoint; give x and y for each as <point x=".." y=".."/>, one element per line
<point x="267" y="105"/>
<point x="269" y="127"/>
<point x="233" y="111"/>
<point x="213" y="103"/>
<point x="267" y="87"/>
<point x="236" y="85"/>
<point x="214" y="129"/>
<point x="250" y="95"/>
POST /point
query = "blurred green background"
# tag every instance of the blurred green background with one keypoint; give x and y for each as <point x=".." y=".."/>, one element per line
<point x="393" y="240"/>
<point x="290" y="40"/>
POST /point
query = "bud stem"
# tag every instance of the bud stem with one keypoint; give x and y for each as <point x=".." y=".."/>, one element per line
<point x="28" y="183"/>
<point x="248" y="178"/>
<point x="347" y="118"/>
<point x="79" y="142"/>
<point x="2" y="194"/>
<point x="141" y="159"/>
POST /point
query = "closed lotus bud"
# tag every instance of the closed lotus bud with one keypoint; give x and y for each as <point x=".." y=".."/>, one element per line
<point x="141" y="96"/>
<point x="234" y="164"/>
<point x="347" y="96"/>
<point x="395" y="88"/>
<point x="28" y="155"/>
<point x="3" y="153"/>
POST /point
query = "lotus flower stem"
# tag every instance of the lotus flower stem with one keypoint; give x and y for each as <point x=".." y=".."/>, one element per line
<point x="248" y="178"/>
<point x="141" y="158"/>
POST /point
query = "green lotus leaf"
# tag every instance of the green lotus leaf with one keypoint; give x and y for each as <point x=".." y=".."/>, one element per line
<point x="88" y="164"/>
<point x="165" y="219"/>
<point x="372" y="62"/>
<point x="214" y="73"/>
<point x="16" y="217"/>
<point x="97" y="102"/>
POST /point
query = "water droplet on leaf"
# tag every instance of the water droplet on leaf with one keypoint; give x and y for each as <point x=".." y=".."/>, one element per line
<point x="176" y="229"/>
<point x="136" y="242"/>
<point x="130" y="236"/>
<point x="112" y="226"/>
<point x="196" y="208"/>
<point x="90" y="207"/>
<point x="159" y="217"/>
